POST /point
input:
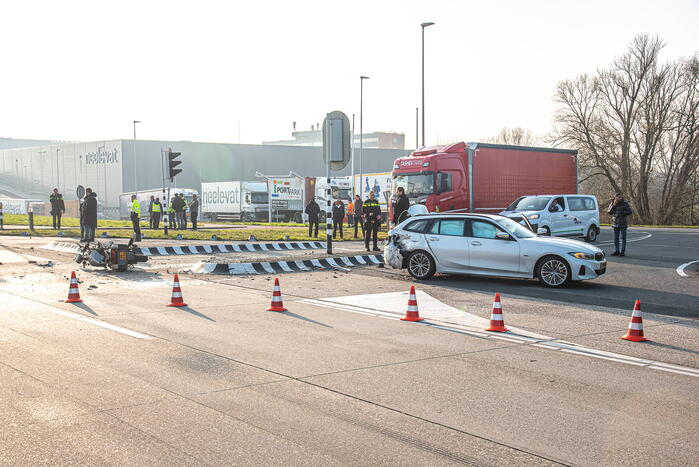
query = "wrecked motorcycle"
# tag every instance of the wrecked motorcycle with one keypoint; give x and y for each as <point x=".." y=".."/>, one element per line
<point x="114" y="257"/>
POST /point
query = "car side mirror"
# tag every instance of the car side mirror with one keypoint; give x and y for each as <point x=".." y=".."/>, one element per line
<point x="541" y="231"/>
<point x="502" y="236"/>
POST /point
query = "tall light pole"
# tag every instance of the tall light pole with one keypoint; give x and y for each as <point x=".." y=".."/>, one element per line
<point x="58" y="178"/>
<point x="423" y="25"/>
<point x="135" y="165"/>
<point x="361" y="134"/>
<point x="417" y="128"/>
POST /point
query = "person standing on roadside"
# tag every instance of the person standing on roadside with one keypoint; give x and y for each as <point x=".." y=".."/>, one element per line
<point x="185" y="207"/>
<point x="372" y="220"/>
<point x="135" y="213"/>
<point x="89" y="215"/>
<point x="171" y="214"/>
<point x="177" y="206"/>
<point x="157" y="211"/>
<point x="620" y="210"/>
<point x="401" y="206"/>
<point x="350" y="213"/>
<point x="312" y="209"/>
<point x="150" y="211"/>
<point x="338" y="216"/>
<point x="358" y="206"/>
<point x="194" y="211"/>
<point x="58" y="208"/>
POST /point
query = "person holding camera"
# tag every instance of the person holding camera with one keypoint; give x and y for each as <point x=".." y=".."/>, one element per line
<point x="620" y="210"/>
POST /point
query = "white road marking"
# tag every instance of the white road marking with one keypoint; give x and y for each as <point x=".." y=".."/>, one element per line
<point x="628" y="240"/>
<point x="442" y="316"/>
<point x="680" y="268"/>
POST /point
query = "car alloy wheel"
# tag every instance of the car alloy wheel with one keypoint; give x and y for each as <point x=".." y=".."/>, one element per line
<point x="421" y="265"/>
<point x="554" y="272"/>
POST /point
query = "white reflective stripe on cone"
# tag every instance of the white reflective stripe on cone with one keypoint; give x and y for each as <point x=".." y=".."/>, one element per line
<point x="636" y="326"/>
<point x="497" y="305"/>
<point x="176" y="294"/>
<point x="636" y="314"/>
<point x="412" y="308"/>
<point x="73" y="290"/>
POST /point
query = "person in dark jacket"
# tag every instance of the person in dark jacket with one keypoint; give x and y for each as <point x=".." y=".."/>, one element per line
<point x="401" y="206"/>
<point x="620" y="211"/>
<point x="312" y="209"/>
<point x="89" y="209"/>
<point x="358" y="215"/>
<point x="58" y="208"/>
<point x="338" y="216"/>
<point x="372" y="220"/>
<point x="151" y="216"/>
<point x="178" y="207"/>
<point x="194" y="211"/>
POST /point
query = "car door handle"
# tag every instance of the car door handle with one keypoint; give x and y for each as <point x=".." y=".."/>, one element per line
<point x="433" y="239"/>
<point x="476" y="243"/>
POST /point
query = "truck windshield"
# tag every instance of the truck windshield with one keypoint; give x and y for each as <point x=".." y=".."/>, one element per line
<point x="531" y="203"/>
<point x="259" y="198"/>
<point x="415" y="184"/>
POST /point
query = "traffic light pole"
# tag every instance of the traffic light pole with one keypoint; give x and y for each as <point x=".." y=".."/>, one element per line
<point x="164" y="204"/>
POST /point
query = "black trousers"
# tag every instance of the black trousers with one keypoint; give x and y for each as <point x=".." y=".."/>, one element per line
<point x="311" y="223"/>
<point x="56" y="220"/>
<point x="194" y="215"/>
<point x="371" y="231"/>
<point x="135" y="221"/>
<point x="171" y="219"/>
<point x="337" y="225"/>
<point x="155" y="222"/>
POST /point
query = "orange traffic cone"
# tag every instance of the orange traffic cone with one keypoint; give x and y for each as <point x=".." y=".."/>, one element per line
<point x="635" y="331"/>
<point x="497" y="323"/>
<point x="176" y="299"/>
<point x="277" y="304"/>
<point x="412" y="313"/>
<point x="73" y="292"/>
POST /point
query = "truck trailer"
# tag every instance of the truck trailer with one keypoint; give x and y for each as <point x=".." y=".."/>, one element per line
<point x="483" y="177"/>
<point x="235" y="201"/>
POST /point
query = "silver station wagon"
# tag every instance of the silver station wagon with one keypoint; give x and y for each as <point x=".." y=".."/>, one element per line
<point x="488" y="245"/>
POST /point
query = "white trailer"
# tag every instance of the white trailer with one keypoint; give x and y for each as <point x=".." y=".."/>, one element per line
<point x="235" y="201"/>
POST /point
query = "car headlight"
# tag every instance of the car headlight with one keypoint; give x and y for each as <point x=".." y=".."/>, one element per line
<point x="581" y="255"/>
<point x="533" y="216"/>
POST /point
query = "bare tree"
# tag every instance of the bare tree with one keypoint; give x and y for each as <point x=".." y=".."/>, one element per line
<point x="517" y="136"/>
<point x="636" y="126"/>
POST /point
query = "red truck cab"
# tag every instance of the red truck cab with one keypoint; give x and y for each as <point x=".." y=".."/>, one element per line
<point x="483" y="177"/>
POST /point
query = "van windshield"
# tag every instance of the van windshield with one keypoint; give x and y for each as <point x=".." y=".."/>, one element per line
<point x="415" y="184"/>
<point x="259" y="198"/>
<point x="531" y="203"/>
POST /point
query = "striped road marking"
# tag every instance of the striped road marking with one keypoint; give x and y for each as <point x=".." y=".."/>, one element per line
<point x="276" y="267"/>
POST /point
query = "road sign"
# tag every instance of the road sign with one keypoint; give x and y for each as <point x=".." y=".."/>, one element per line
<point x="336" y="140"/>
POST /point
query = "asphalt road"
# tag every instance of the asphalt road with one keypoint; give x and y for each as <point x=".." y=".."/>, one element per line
<point x="122" y="379"/>
<point x="648" y="273"/>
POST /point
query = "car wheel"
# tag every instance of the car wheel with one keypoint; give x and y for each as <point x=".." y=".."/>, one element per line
<point x="421" y="265"/>
<point x="592" y="233"/>
<point x="553" y="271"/>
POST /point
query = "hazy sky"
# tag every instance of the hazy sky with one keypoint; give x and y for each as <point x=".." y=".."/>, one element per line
<point x="193" y="70"/>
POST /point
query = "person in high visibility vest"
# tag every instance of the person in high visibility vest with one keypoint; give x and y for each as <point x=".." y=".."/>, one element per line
<point x="135" y="210"/>
<point x="156" y="210"/>
<point x="171" y="213"/>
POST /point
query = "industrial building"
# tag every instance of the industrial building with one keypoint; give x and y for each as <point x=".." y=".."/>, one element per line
<point x="117" y="166"/>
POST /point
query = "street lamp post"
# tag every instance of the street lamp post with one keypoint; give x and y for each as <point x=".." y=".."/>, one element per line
<point x="361" y="134"/>
<point x="58" y="178"/>
<point x="417" y="128"/>
<point x="135" y="165"/>
<point x="423" y="25"/>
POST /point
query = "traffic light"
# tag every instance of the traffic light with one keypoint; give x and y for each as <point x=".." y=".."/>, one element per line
<point x="172" y="162"/>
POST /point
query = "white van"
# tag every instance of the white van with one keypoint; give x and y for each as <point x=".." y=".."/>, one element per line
<point x="558" y="215"/>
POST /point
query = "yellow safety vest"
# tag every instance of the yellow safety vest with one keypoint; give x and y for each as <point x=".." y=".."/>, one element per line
<point x="136" y="207"/>
<point x="157" y="207"/>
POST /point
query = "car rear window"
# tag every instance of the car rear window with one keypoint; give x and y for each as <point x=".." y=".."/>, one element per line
<point x="453" y="227"/>
<point x="418" y="226"/>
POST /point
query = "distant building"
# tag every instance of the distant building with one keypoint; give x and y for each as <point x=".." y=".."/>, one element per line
<point x="11" y="143"/>
<point x="375" y="140"/>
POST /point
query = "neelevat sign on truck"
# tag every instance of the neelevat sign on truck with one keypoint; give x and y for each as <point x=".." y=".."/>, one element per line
<point x="483" y="177"/>
<point x="245" y="201"/>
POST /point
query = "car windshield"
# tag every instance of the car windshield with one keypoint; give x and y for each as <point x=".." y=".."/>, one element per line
<point x="415" y="184"/>
<point x="531" y="203"/>
<point x="259" y="198"/>
<point x="515" y="228"/>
